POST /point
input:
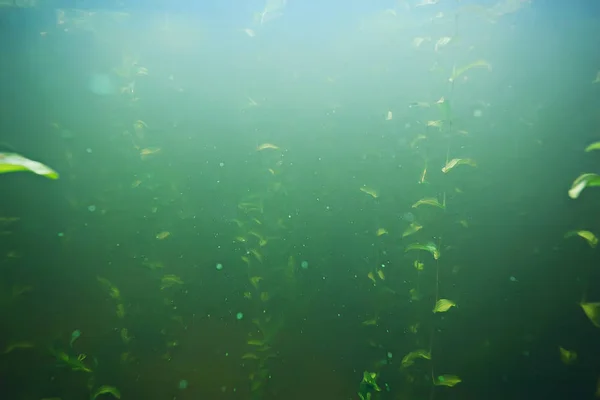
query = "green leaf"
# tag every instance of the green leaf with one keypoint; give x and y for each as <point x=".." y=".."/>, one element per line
<point x="106" y="390"/>
<point x="429" y="247"/>
<point x="413" y="228"/>
<point x="592" y="311"/>
<point x="583" y="181"/>
<point x="447" y="380"/>
<point x="458" y="72"/>
<point x="429" y="201"/>
<point x="13" y="162"/>
<point x="589" y="237"/>
<point x="443" y="305"/>
<point x="458" y="161"/>
<point x="370" y="379"/>
<point x="593" y="146"/>
<point x="410" y="358"/>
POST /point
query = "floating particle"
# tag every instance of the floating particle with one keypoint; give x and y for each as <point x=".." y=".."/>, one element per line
<point x="239" y="316"/>
<point x="183" y="384"/>
<point x="513" y="279"/>
<point x="92" y="208"/>
<point x="219" y="266"/>
<point x="88" y="150"/>
<point x="304" y="264"/>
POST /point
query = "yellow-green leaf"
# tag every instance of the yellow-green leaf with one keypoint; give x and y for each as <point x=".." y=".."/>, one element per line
<point x="589" y="237"/>
<point x="458" y="161"/>
<point x="75" y="363"/>
<point x="415" y="295"/>
<point x="413" y="228"/>
<point x="106" y="390"/>
<point x="410" y="358"/>
<point x="567" y="356"/>
<point x="593" y="146"/>
<point x="18" y="345"/>
<point x="12" y="162"/>
<point x="435" y="124"/>
<point x="429" y="201"/>
<point x="592" y="311"/>
<point x="370" y="191"/>
<point x="170" y="280"/>
<point x="113" y="291"/>
<point x="583" y="181"/>
<point x="429" y="247"/>
<point x="459" y="71"/>
<point x="370" y="379"/>
<point x="447" y="380"/>
<point x="443" y="305"/>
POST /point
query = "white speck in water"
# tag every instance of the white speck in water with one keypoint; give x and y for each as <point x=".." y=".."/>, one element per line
<point x="92" y="208"/>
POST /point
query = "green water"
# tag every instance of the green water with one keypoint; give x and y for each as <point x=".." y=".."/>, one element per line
<point x="236" y="215"/>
